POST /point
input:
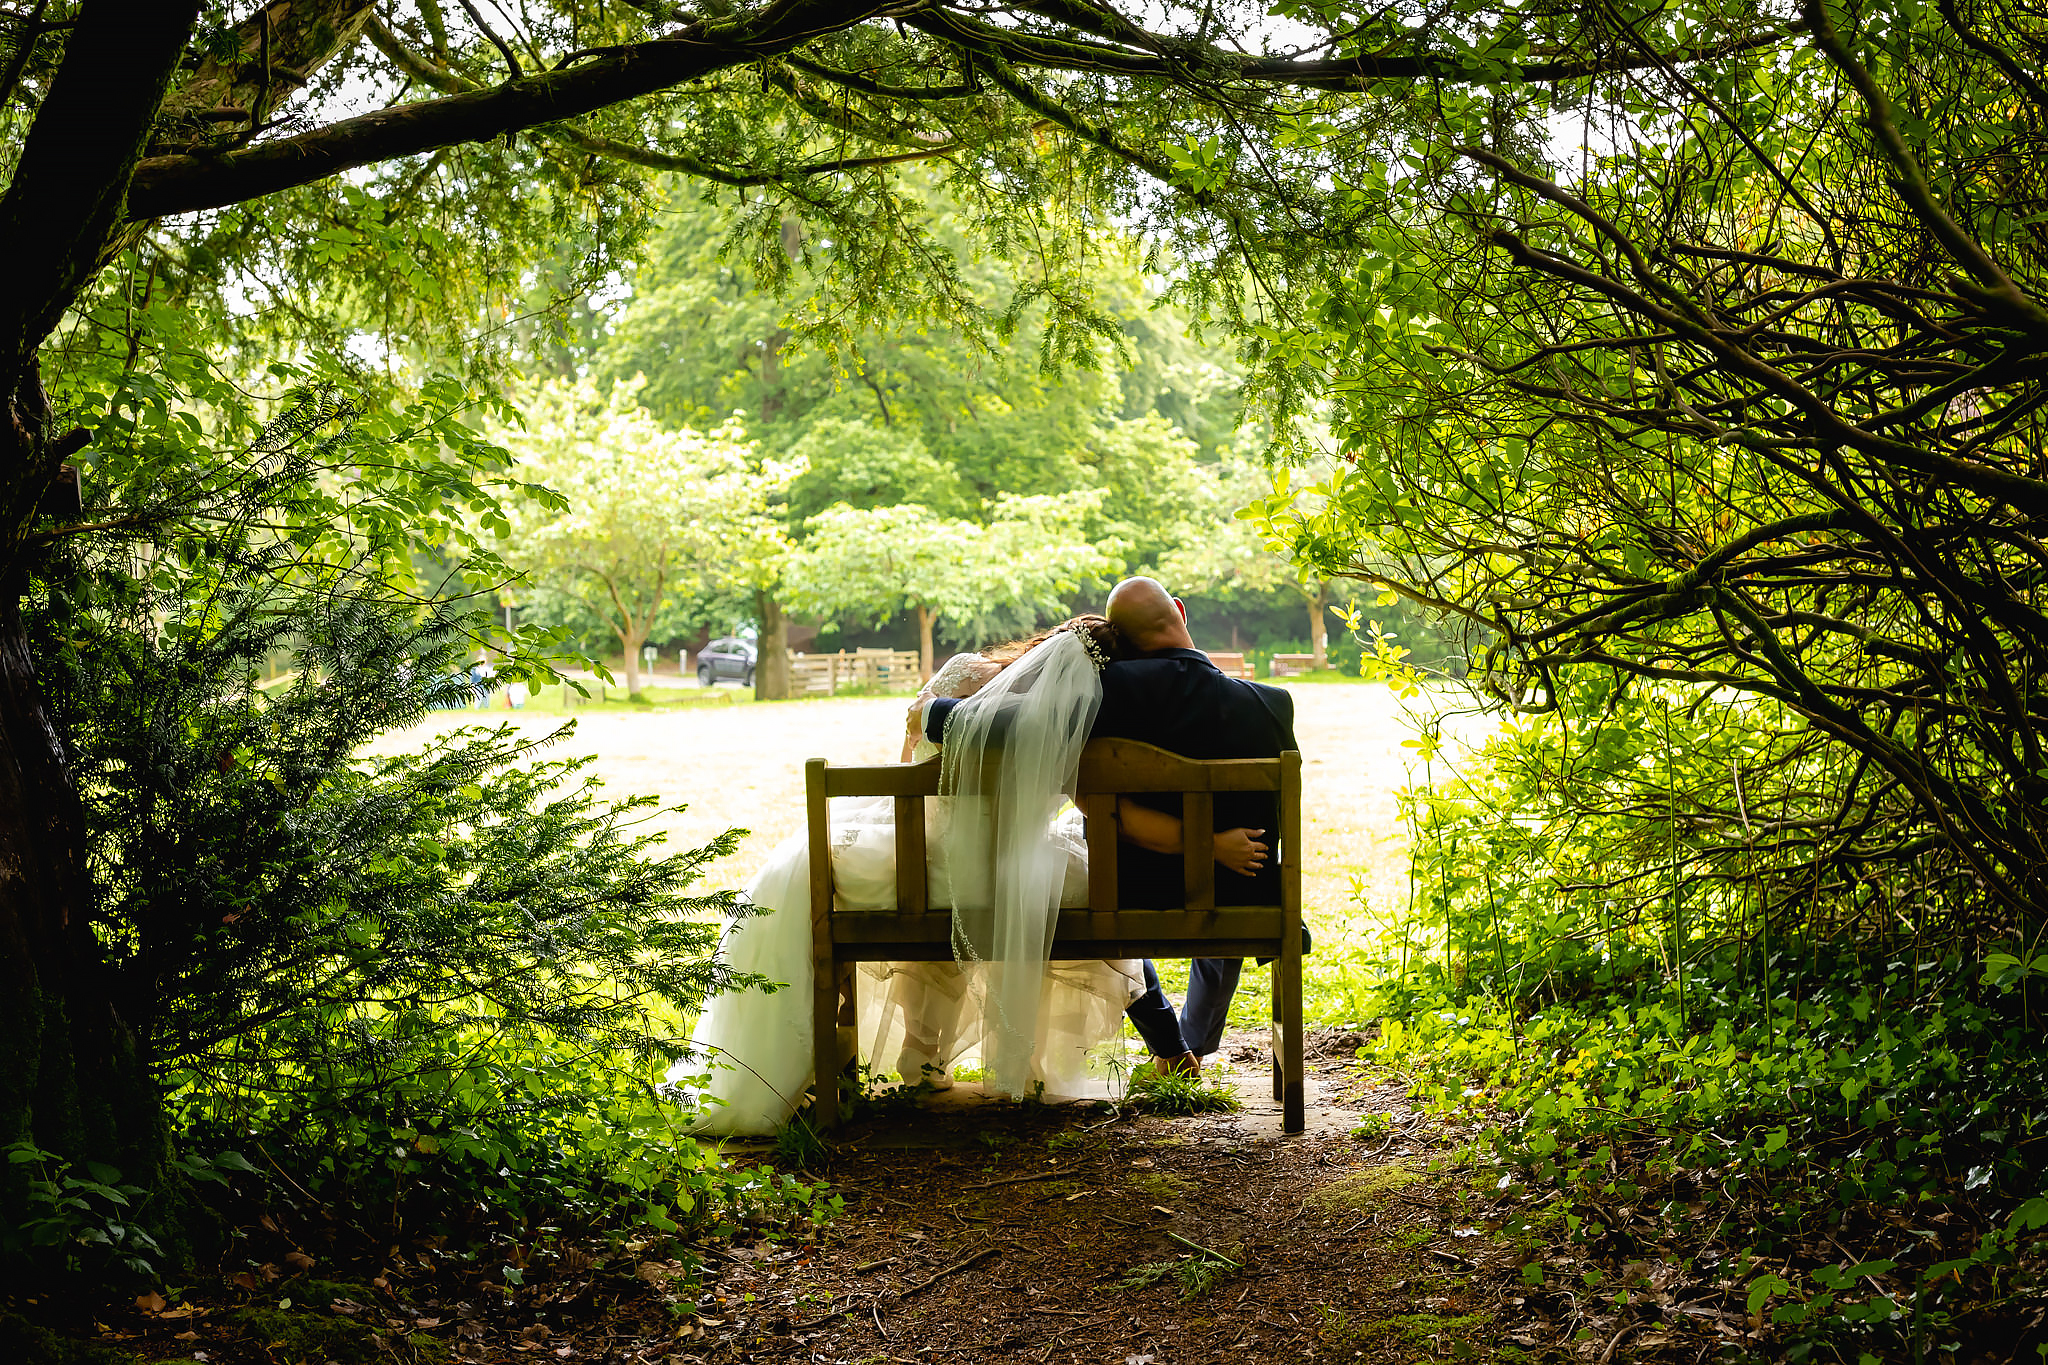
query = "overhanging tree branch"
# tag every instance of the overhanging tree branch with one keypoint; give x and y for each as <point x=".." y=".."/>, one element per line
<point x="183" y="184"/>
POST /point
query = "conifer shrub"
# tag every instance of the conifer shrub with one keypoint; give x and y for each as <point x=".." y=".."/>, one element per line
<point x="420" y="994"/>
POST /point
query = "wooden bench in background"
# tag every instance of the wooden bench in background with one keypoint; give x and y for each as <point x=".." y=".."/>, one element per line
<point x="1232" y="665"/>
<point x="916" y="931"/>
<point x="1286" y="665"/>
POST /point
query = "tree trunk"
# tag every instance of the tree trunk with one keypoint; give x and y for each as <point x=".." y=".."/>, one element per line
<point x="74" y="1077"/>
<point x="771" y="659"/>
<point x="925" y="617"/>
<point x="632" y="640"/>
<point x="1318" y="632"/>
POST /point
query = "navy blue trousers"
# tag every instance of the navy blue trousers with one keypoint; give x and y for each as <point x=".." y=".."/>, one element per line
<point x="1199" y="1027"/>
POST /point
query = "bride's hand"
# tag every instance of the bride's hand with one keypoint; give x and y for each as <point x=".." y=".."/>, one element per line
<point x="1240" y="850"/>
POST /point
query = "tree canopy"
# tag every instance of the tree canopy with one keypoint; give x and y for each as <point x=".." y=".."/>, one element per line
<point x="1690" y="355"/>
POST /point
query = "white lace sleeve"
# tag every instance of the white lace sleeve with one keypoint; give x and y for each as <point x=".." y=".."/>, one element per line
<point x="961" y="676"/>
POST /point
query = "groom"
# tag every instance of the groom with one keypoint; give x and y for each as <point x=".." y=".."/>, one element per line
<point x="1172" y="696"/>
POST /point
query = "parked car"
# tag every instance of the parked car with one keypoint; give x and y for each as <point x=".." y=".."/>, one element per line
<point x="733" y="658"/>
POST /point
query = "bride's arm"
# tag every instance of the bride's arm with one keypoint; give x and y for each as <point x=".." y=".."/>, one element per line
<point x="1237" y="849"/>
<point x="1147" y="828"/>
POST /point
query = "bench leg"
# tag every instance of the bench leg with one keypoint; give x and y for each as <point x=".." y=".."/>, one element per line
<point x="825" y="1042"/>
<point x="1287" y="1006"/>
<point x="1274" y="1035"/>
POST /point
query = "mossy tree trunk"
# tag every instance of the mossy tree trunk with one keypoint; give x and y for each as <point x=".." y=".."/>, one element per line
<point x="771" y="663"/>
<point x="74" y="1077"/>
<point x="925" y="662"/>
<point x="1318" y="595"/>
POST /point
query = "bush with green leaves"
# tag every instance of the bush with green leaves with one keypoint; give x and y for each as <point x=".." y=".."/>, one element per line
<point x="85" y="1219"/>
<point x="415" y="990"/>
<point x="1656" y="1007"/>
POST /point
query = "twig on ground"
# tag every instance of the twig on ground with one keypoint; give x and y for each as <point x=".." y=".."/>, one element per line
<point x="1022" y="1179"/>
<point x="953" y="1269"/>
<point x="875" y="1265"/>
<point x="1206" y="1251"/>
<point x="1608" y="1354"/>
<point x="901" y="1294"/>
<point x="838" y="1312"/>
<point x="876" y="1309"/>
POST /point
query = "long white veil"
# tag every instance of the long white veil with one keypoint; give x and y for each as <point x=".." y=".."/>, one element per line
<point x="1011" y="755"/>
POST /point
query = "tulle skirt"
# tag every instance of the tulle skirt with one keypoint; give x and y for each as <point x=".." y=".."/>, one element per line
<point x="751" y="1050"/>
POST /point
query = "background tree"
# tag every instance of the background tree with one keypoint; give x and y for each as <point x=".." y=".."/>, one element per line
<point x="642" y="514"/>
<point x="746" y="550"/>
<point x="1228" y="555"/>
<point x="982" y="580"/>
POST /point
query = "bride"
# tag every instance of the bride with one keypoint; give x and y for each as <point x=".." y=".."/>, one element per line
<point x="1004" y="857"/>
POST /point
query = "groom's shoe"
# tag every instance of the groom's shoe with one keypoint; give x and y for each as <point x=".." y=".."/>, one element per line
<point x="1187" y="1064"/>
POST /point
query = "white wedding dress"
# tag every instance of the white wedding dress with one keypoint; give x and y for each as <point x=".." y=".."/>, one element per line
<point x="750" y="1063"/>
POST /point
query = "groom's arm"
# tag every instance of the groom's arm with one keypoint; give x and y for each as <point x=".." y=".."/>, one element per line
<point x="935" y="712"/>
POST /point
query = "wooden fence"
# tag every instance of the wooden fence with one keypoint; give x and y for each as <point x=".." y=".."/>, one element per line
<point x="826" y="674"/>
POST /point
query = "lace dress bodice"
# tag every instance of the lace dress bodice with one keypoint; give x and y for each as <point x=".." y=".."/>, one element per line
<point x="960" y="676"/>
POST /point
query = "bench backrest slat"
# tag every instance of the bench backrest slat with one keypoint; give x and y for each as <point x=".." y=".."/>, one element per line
<point x="912" y="893"/>
<point x="1126" y="765"/>
<point x="1198" y="850"/>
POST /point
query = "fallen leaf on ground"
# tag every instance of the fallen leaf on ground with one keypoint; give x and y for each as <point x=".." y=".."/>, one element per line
<point x="151" y="1302"/>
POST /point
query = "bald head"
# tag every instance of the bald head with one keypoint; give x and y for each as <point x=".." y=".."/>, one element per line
<point x="1148" y="616"/>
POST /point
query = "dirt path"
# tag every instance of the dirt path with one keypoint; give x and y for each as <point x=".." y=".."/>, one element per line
<point x="976" y="1232"/>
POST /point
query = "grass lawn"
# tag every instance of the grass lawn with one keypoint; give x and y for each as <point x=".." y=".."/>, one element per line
<point x="563" y="699"/>
<point x="718" y="761"/>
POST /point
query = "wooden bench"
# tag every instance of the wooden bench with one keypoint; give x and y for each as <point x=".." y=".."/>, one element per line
<point x="1286" y="665"/>
<point x="915" y="931"/>
<point x="1231" y="665"/>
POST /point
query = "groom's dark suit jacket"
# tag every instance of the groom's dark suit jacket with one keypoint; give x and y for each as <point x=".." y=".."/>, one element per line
<point x="1178" y="700"/>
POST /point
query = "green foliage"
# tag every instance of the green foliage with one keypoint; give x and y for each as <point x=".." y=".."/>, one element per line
<point x="85" y="1220"/>
<point x="30" y="1344"/>
<point x="1198" y="1271"/>
<point x="1180" y="1092"/>
<point x="426" y="991"/>
<point x="932" y="416"/>
<point x="1653" y="1009"/>
<point x="471" y="1131"/>
<point x="985" y="580"/>
<point x="1372" y="1127"/>
<point x="853" y="462"/>
<point x="641" y="531"/>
